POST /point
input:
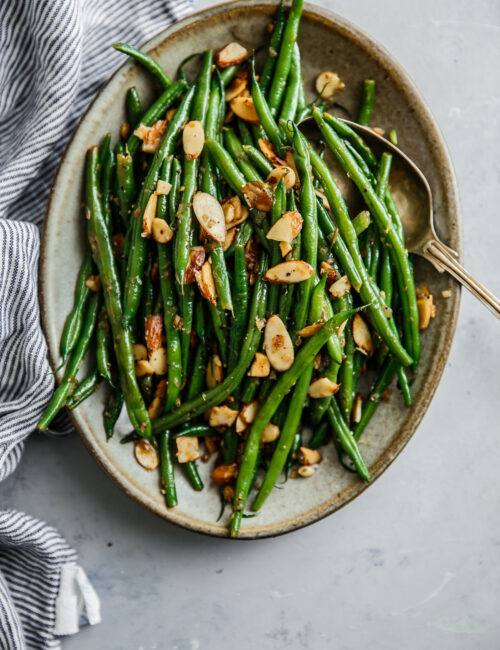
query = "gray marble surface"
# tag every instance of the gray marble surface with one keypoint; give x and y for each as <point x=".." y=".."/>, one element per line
<point x="414" y="562"/>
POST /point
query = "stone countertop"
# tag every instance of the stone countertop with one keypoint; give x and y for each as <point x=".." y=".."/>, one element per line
<point x="412" y="563"/>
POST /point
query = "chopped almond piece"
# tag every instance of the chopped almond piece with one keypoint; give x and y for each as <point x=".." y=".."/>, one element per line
<point x="235" y="88"/>
<point x="230" y="235"/>
<point x="196" y="259"/>
<point x="357" y="408"/>
<point x="228" y="493"/>
<point x="215" y="372"/>
<point x="330" y="272"/>
<point x="280" y="172"/>
<point x="151" y="136"/>
<point x="158" y="361"/>
<point x="269" y="152"/>
<point x="153" y="331"/>
<point x="306" y="471"/>
<point x="146" y="455"/>
<point x="308" y="456"/>
<point x="252" y="256"/>
<point x="322" y="387"/>
<point x="309" y="330"/>
<point x="211" y="443"/>
<point x="206" y="284"/>
<point x="234" y="211"/>
<point x="162" y="232"/>
<point x="277" y="344"/>
<point x="257" y="196"/>
<point x="289" y="272"/>
<point x="425" y="311"/>
<point x="140" y="351"/>
<point x="328" y="83"/>
<point x="446" y="293"/>
<point x="270" y="434"/>
<point x="249" y="411"/>
<point x="361" y="335"/>
<point x="260" y="366"/>
<point x="243" y="107"/>
<point x="340" y="287"/>
<point x="149" y="215"/>
<point x="318" y="362"/>
<point x="221" y="416"/>
<point x="125" y="129"/>
<point x="225" y="474"/>
<point x="170" y="113"/>
<point x="157" y="406"/>
<point x="188" y="449"/>
<point x="321" y="195"/>
<point x="143" y="368"/>
<point x="93" y="282"/>
<point x="163" y="188"/>
<point x="285" y="248"/>
<point x="210" y="215"/>
<point x="193" y="139"/>
<point x="286" y="228"/>
<point x="232" y="54"/>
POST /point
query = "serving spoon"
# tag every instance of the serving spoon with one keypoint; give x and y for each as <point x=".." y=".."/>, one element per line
<point x="413" y="196"/>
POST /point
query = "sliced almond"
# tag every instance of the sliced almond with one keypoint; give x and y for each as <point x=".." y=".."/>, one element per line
<point x="425" y="311"/>
<point x="361" y="334"/>
<point x="340" y="287"/>
<point x="357" y="409"/>
<point x="249" y="411"/>
<point x="446" y="293"/>
<point x="221" y="416"/>
<point x="93" y="282"/>
<point x="286" y="228"/>
<point x="306" y="471"/>
<point x="215" y="371"/>
<point x="206" y="284"/>
<point x="285" y="248"/>
<point x="270" y="434"/>
<point x="210" y="215"/>
<point x="258" y="196"/>
<point x="196" y="259"/>
<point x="289" y="272"/>
<point x="153" y="331"/>
<point x="322" y="387"/>
<point x="267" y="148"/>
<point x="277" y="344"/>
<point x="230" y="235"/>
<point x="158" y="361"/>
<point x="234" y="211"/>
<point x="260" y="366"/>
<point x="188" y="449"/>
<point x="308" y="456"/>
<point x="156" y="408"/>
<point x="151" y="136"/>
<point x="280" y="172"/>
<point x="143" y="368"/>
<point x="243" y="107"/>
<point x="162" y="232"/>
<point x="235" y="88"/>
<point x="330" y="272"/>
<point x="139" y="351"/>
<point x="163" y="188"/>
<point x="149" y="216"/>
<point x="328" y="83"/>
<point x="290" y="162"/>
<point x="252" y="256"/>
<point x="321" y="195"/>
<point x="232" y="54"/>
<point x="225" y="474"/>
<point x="309" y="330"/>
<point x="146" y="455"/>
<point x="193" y="139"/>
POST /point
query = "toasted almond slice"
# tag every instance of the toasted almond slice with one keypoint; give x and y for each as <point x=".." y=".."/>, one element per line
<point x="193" y="139"/>
<point x="318" y="362"/>
<point x="153" y="331"/>
<point x="270" y="434"/>
<point x="163" y="188"/>
<point x="225" y="474"/>
<point x="267" y="148"/>
<point x="340" y="287"/>
<point x="257" y="196"/>
<point x="139" y="351"/>
<point x="357" y="409"/>
<point x="321" y="195"/>
<point x="286" y="228"/>
<point x="289" y="272"/>
<point x="280" y="172"/>
<point x="260" y="366"/>
<point x="309" y="330"/>
<point x="290" y="162"/>
<point x="151" y="135"/>
<point x="249" y="411"/>
<point x="230" y="207"/>
<point x="241" y="425"/>
<point x="146" y="455"/>
<point x="215" y="371"/>
<point x="425" y="312"/>
<point x="221" y="416"/>
<point x="230" y="235"/>
<point x="328" y="83"/>
<point x="277" y="344"/>
<point x="162" y="232"/>
<point x="308" y="456"/>
<point x="156" y="408"/>
<point x="329" y="270"/>
<point x="188" y="449"/>
<point x="252" y="256"/>
<point x="240" y="218"/>
<point x="232" y="54"/>
<point x="196" y="259"/>
<point x="158" y="361"/>
<point x="322" y="387"/>
<point x="210" y="215"/>
<point x="306" y="471"/>
<point x="361" y="334"/>
<point x="235" y="88"/>
<point x="243" y="107"/>
<point x="143" y="368"/>
<point x="285" y="248"/>
<point x="206" y="284"/>
<point x="93" y="282"/>
<point x="149" y="215"/>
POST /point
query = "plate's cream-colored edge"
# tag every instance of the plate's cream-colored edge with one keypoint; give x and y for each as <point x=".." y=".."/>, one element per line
<point x="401" y="78"/>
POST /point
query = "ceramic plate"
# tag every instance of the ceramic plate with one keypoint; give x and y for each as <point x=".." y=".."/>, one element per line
<point x="327" y="42"/>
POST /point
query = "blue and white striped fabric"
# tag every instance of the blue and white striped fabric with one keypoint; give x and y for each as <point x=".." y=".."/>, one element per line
<point x="54" y="56"/>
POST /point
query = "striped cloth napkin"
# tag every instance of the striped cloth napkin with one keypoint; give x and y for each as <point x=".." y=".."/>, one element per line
<point x="54" y="56"/>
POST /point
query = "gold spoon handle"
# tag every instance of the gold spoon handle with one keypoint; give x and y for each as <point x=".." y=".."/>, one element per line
<point x="439" y="255"/>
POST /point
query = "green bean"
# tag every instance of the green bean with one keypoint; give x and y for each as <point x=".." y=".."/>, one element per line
<point x="150" y="64"/>
<point x="134" y="108"/>
<point x="84" y="389"/>
<point x="234" y="147"/>
<point x="370" y="406"/>
<point x="187" y="310"/>
<point x="361" y="222"/>
<point x="383" y="172"/>
<point x="228" y="74"/>
<point x="319" y="435"/>
<point x="126" y="188"/>
<point x="294" y="85"/>
<point x="393" y="137"/>
<point x="193" y="476"/>
<point x="167" y="468"/>
<point x="103" y="343"/>
<point x="112" y="411"/>
<point x="103" y="256"/>
<point x="74" y="363"/>
<point x="258" y="159"/>
<point x="240" y="280"/>
<point x="162" y="202"/>
<point x="135" y="266"/>
<point x="367" y="101"/>
<point x="196" y="430"/>
<point x="320" y="406"/>
<point x="265" y="114"/>
<point x="173" y="195"/>
<point x="346" y="439"/>
<point x="156" y="111"/>
<point x="197" y="377"/>
<point x="269" y="65"/>
<point x="259" y="231"/>
<point x="321" y="310"/>
<point x="346" y="372"/>
<point x="227" y="167"/>
<point x="107" y="168"/>
<point x="284" y="61"/>
<point x="245" y="135"/>
<point x="354" y="138"/>
<point x="218" y="317"/>
<point x="73" y="324"/>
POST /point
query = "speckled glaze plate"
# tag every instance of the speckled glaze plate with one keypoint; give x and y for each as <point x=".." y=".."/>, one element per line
<point x="327" y="42"/>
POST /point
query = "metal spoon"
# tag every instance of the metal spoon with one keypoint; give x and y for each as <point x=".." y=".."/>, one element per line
<point x="414" y="198"/>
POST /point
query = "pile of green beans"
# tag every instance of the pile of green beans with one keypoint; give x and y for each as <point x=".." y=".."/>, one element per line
<point x="175" y="323"/>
